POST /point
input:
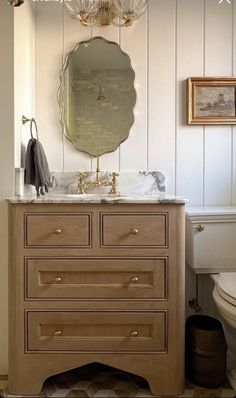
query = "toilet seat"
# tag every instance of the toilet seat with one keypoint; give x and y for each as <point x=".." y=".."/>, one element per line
<point x="226" y="287"/>
<point x="224" y="295"/>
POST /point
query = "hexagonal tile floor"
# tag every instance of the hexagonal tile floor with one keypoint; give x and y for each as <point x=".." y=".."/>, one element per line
<point x="100" y="381"/>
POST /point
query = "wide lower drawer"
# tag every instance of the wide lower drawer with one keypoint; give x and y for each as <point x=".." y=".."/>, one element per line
<point x="67" y="278"/>
<point x="57" y="229"/>
<point x="96" y="331"/>
<point x="134" y="230"/>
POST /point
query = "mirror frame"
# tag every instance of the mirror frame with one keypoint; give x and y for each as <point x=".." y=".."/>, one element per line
<point x="62" y="89"/>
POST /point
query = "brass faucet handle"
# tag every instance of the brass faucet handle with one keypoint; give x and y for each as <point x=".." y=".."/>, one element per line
<point x="115" y="174"/>
<point x="81" y="182"/>
<point x="114" y="184"/>
<point x="81" y="174"/>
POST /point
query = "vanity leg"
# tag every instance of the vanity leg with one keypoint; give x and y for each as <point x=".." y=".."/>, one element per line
<point x="25" y="382"/>
<point x="158" y="386"/>
<point x="154" y="385"/>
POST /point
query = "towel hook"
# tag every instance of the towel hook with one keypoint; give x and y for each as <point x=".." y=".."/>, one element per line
<point x="32" y="121"/>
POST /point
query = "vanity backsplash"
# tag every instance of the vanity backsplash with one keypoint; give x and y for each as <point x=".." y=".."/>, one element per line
<point x="130" y="182"/>
<point x="138" y="182"/>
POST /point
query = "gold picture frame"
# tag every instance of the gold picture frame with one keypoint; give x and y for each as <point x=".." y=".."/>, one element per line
<point x="211" y="100"/>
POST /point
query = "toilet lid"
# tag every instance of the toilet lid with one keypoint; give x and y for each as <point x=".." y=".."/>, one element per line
<point x="227" y="286"/>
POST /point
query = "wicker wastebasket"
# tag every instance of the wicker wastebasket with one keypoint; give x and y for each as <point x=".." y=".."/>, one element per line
<point x="205" y="351"/>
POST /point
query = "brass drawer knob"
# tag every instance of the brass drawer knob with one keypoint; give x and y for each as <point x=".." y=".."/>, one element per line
<point x="58" y="231"/>
<point x="57" y="333"/>
<point x="134" y="231"/>
<point x="57" y="279"/>
<point x="199" y="228"/>
<point x="134" y="279"/>
<point x="134" y="333"/>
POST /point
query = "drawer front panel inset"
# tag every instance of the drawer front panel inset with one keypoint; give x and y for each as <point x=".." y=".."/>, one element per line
<point x="57" y="229"/>
<point x="96" y="331"/>
<point x="91" y="278"/>
<point x="134" y="230"/>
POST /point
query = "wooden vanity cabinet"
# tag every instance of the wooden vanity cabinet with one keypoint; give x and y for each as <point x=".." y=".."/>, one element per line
<point x="96" y="283"/>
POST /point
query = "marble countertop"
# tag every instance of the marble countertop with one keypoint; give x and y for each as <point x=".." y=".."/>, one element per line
<point x="102" y="198"/>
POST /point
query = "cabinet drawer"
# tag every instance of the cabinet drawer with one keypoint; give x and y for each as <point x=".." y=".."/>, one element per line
<point x="96" y="331"/>
<point x="51" y="278"/>
<point x="57" y="229"/>
<point x="134" y="230"/>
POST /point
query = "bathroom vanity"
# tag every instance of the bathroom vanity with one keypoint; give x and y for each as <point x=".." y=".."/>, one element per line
<point x="97" y="278"/>
<point x="96" y="281"/>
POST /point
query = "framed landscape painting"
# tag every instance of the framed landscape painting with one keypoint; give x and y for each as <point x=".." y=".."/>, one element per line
<point x="211" y="100"/>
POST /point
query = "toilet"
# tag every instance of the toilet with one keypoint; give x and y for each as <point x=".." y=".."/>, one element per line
<point x="224" y="295"/>
<point x="211" y="249"/>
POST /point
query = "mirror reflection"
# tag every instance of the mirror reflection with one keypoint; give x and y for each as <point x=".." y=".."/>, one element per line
<point x="97" y="96"/>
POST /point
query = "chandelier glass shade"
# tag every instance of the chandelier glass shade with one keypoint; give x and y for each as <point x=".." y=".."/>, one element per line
<point x="16" y="3"/>
<point x="117" y="12"/>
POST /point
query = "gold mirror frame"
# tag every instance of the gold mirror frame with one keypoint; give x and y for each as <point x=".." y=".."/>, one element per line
<point x="62" y="94"/>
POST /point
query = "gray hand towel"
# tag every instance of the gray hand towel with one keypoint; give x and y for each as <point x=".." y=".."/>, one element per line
<point x="36" y="167"/>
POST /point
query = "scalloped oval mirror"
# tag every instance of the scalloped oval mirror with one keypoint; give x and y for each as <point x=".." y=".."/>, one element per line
<point x="97" y="96"/>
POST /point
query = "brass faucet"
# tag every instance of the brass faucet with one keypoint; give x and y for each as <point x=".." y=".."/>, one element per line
<point x="83" y="186"/>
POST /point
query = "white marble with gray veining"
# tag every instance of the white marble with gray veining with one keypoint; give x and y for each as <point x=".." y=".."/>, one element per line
<point x="134" y="187"/>
<point x="133" y="182"/>
<point x="102" y="198"/>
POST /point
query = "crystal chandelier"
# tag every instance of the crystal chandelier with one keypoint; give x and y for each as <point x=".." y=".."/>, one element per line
<point x="118" y="12"/>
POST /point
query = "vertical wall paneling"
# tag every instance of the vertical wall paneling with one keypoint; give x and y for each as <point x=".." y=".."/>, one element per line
<point x="133" y="152"/>
<point x="218" y="62"/>
<point x="234" y="127"/>
<point x="48" y="63"/>
<point x="109" y="161"/>
<point x="175" y="40"/>
<point x="24" y="75"/>
<point x="218" y="44"/>
<point x="73" y="33"/>
<point x="189" y="146"/>
<point x="161" y="78"/>
<point x="218" y="166"/>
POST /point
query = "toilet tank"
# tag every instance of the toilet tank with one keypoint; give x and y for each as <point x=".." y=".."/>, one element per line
<point x="211" y="239"/>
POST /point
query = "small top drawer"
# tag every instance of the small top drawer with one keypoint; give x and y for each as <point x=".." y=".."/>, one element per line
<point x="134" y="230"/>
<point x="57" y="229"/>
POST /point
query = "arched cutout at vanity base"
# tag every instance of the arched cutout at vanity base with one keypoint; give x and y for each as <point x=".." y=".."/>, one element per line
<point x="32" y="374"/>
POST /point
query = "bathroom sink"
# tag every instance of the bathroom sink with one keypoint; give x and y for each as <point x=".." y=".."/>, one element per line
<point x="96" y="196"/>
<point x="91" y="196"/>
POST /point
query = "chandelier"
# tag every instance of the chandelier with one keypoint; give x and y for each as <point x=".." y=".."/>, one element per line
<point x="118" y="12"/>
<point x="16" y="3"/>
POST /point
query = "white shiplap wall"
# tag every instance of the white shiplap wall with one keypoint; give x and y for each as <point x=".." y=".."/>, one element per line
<point x="24" y="75"/>
<point x="174" y="40"/>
